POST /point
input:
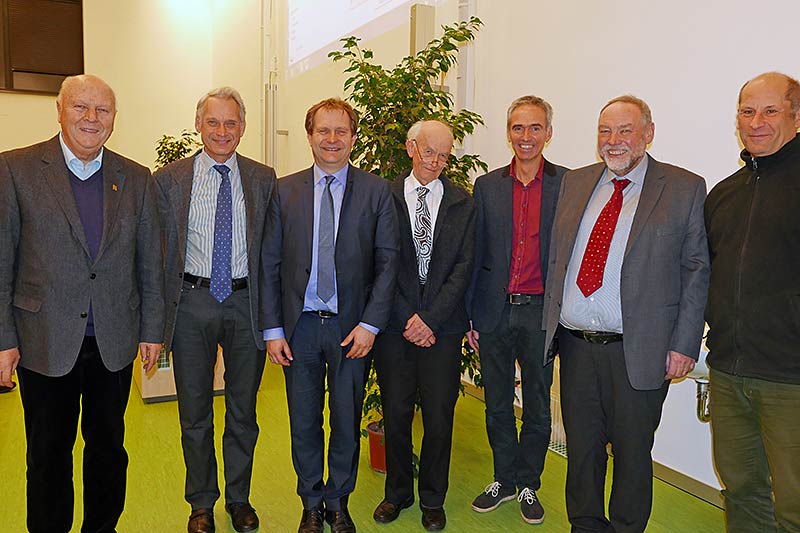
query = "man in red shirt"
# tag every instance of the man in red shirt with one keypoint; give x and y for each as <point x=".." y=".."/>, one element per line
<point x="516" y="205"/>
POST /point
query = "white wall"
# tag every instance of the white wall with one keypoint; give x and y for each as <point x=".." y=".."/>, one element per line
<point x="160" y="56"/>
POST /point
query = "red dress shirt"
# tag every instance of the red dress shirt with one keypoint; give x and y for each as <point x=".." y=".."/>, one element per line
<point x="525" y="276"/>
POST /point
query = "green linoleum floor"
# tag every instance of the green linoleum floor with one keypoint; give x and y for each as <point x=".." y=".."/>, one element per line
<point x="155" y="477"/>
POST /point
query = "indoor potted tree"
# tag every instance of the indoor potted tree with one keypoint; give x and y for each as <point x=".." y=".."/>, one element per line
<point x="389" y="102"/>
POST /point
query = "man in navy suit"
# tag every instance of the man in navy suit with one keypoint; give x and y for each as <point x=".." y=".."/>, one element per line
<point x="329" y="269"/>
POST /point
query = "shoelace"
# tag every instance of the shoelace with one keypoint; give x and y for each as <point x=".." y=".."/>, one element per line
<point x="493" y="488"/>
<point x="528" y="495"/>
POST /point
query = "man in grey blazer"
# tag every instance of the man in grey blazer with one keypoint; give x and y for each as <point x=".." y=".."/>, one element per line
<point x="516" y="205"/>
<point x="624" y="299"/>
<point x="329" y="269"/>
<point x="81" y="285"/>
<point x="215" y="205"/>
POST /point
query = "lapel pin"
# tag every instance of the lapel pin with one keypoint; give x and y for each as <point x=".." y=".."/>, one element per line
<point x="114" y="187"/>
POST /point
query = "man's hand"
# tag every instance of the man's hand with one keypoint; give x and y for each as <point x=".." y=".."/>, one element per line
<point x="472" y="339"/>
<point x="678" y="365"/>
<point x="149" y="352"/>
<point x="8" y="364"/>
<point x="362" y="340"/>
<point x="417" y="331"/>
<point x="279" y="352"/>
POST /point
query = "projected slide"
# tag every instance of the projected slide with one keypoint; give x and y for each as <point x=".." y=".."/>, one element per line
<point x="315" y="27"/>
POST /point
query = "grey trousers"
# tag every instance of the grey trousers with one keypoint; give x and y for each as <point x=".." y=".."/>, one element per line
<point x="201" y="324"/>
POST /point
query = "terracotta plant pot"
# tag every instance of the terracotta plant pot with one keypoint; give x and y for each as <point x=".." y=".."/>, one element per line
<point x="377" y="447"/>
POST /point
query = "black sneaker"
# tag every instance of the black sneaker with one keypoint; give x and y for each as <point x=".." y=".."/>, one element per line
<point x="492" y="496"/>
<point x="530" y="508"/>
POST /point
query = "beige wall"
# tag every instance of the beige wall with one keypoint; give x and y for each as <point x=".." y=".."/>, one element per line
<point x="160" y="56"/>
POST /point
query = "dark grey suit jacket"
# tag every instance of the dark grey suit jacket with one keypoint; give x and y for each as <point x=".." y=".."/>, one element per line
<point x="665" y="269"/>
<point x="260" y="202"/>
<point x="494" y="199"/>
<point x="47" y="276"/>
<point x="366" y="252"/>
<point x="442" y="306"/>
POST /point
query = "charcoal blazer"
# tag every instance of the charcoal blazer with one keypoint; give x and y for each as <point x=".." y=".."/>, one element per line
<point x="665" y="268"/>
<point x="259" y="185"/>
<point x="48" y="279"/>
<point x="365" y="255"/>
<point x="442" y="306"/>
<point x="494" y="200"/>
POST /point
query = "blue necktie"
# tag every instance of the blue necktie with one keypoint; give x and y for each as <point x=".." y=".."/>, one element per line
<point x="326" y="244"/>
<point x="221" y="276"/>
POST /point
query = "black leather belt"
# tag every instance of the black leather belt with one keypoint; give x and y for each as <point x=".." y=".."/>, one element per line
<point x="597" y="337"/>
<point x="322" y="314"/>
<point x="519" y="299"/>
<point x="236" y="284"/>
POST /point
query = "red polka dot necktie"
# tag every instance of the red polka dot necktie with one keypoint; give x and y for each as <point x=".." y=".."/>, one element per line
<point x="590" y="275"/>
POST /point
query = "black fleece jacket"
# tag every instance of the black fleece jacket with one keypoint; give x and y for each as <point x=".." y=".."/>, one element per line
<point x="753" y="224"/>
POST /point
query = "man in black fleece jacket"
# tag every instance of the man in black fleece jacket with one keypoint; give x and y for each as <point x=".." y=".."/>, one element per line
<point x="753" y="219"/>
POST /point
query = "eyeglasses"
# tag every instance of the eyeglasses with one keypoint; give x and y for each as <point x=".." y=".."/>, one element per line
<point x="430" y="157"/>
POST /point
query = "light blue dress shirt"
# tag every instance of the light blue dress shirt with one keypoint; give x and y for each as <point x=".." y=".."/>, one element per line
<point x="312" y="302"/>
<point x="83" y="172"/>
<point x="602" y="310"/>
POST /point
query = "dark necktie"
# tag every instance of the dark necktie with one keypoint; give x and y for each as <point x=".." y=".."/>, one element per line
<point x="220" y="286"/>
<point x="326" y="244"/>
<point x="590" y="275"/>
<point x="423" y="234"/>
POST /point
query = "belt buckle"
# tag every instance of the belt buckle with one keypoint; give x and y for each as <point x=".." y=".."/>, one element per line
<point x="325" y="315"/>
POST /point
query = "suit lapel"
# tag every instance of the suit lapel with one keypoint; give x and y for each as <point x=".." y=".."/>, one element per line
<point x="651" y="190"/>
<point x="252" y="206"/>
<point x="113" y="187"/>
<point x="507" y="216"/>
<point x="448" y="199"/>
<point x="573" y="211"/>
<point x="183" y="176"/>
<point x="56" y="174"/>
<point x="307" y="201"/>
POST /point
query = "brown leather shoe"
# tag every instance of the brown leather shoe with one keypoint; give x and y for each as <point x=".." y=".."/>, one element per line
<point x="340" y="521"/>
<point x="243" y="516"/>
<point x="433" y="519"/>
<point x="387" y="511"/>
<point x="312" y="521"/>
<point x="201" y="521"/>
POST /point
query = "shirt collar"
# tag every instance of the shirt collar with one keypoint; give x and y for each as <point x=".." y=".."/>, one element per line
<point x="338" y="176"/>
<point x="411" y="184"/>
<point x="75" y="164"/>
<point x="512" y="170"/>
<point x="207" y="163"/>
<point x="636" y="175"/>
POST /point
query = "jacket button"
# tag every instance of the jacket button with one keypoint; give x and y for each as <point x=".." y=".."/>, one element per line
<point x="175" y="304"/>
<point x="84" y="315"/>
<point x="180" y="275"/>
<point x="92" y="275"/>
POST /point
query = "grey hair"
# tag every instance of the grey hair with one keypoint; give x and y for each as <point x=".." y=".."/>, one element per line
<point x="530" y="99"/>
<point x="647" y="116"/>
<point x="415" y="128"/>
<point x="226" y="93"/>
<point x="71" y="81"/>
<point x="792" y="89"/>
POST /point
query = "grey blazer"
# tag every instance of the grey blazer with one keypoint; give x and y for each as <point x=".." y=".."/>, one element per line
<point x="47" y="276"/>
<point x="174" y="190"/>
<point x="494" y="198"/>
<point x="367" y="246"/>
<point x="665" y="268"/>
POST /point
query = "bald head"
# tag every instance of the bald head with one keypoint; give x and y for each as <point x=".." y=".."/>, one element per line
<point x="768" y="116"/>
<point x="428" y="144"/>
<point x="86" y="109"/>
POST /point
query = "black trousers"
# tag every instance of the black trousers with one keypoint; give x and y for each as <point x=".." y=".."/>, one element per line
<point x="202" y="323"/>
<point x="405" y="372"/>
<point x="518" y="457"/>
<point x="599" y="407"/>
<point x="319" y="360"/>
<point x="52" y="407"/>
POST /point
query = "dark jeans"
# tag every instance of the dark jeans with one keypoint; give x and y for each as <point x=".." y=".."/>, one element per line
<point x="756" y="432"/>
<point x="52" y="407"/>
<point x="201" y="324"/>
<point x="405" y="371"/>
<point x="600" y="406"/>
<point x="518" y="459"/>
<point x="317" y="356"/>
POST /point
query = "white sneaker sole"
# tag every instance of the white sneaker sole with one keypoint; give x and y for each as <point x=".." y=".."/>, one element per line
<point x="532" y="520"/>
<point x="499" y="502"/>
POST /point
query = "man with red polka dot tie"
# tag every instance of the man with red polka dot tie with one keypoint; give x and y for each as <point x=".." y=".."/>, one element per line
<point x="623" y="309"/>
